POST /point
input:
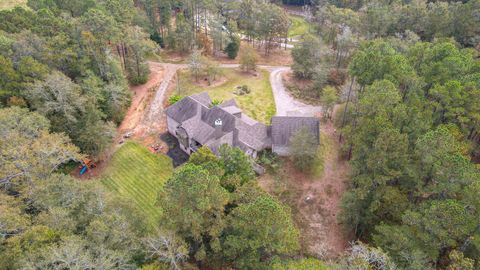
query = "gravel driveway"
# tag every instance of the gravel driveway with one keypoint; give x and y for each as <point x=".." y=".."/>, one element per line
<point x="286" y="104"/>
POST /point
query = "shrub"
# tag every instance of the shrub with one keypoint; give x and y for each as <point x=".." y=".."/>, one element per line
<point x="242" y="90"/>
<point x="232" y="48"/>
<point x="336" y="77"/>
<point x="158" y="39"/>
<point x="248" y="59"/>
<point x="216" y="102"/>
<point x="174" y="99"/>
<point x="303" y="149"/>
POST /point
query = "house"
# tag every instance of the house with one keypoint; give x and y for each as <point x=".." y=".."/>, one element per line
<point x="284" y="127"/>
<point x="196" y="122"/>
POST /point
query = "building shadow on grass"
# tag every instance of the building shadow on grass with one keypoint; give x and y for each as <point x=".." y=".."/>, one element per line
<point x="174" y="152"/>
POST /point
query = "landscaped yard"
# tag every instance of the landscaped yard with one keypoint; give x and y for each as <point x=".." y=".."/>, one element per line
<point x="299" y="26"/>
<point x="8" y="4"/>
<point x="258" y="104"/>
<point x="137" y="174"/>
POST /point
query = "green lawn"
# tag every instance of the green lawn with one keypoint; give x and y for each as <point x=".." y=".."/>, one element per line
<point x="8" y="4"/>
<point x="259" y="104"/>
<point x="299" y="26"/>
<point x="137" y="174"/>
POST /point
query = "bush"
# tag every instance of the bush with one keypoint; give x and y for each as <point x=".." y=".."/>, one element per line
<point x="303" y="149"/>
<point x="337" y="77"/>
<point x="174" y="99"/>
<point x="158" y="39"/>
<point x="242" y="90"/>
<point x="232" y="48"/>
<point x="248" y="59"/>
<point x="216" y="102"/>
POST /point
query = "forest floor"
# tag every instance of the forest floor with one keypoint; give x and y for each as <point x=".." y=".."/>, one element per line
<point x="315" y="198"/>
<point x="277" y="56"/>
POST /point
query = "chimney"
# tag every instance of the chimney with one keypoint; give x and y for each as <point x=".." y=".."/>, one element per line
<point x="218" y="128"/>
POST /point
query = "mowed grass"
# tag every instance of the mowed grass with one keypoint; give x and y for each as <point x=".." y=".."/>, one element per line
<point x="259" y="104"/>
<point x="299" y="26"/>
<point x="137" y="174"/>
<point x="9" y="4"/>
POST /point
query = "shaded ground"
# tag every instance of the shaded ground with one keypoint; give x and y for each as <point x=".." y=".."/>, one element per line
<point x="300" y="89"/>
<point x="315" y="201"/>
<point x="173" y="151"/>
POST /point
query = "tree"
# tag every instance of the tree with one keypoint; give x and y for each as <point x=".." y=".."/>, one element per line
<point x="306" y="56"/>
<point x="233" y="47"/>
<point x="362" y="256"/>
<point x="257" y="231"/>
<point x="28" y="150"/>
<point x="441" y="225"/>
<point x="59" y="99"/>
<point x="304" y="264"/>
<point x="235" y="162"/>
<point x="139" y="45"/>
<point x="303" y="149"/>
<point x="248" y="59"/>
<point x="329" y="99"/>
<point x="212" y="70"/>
<point x="193" y="202"/>
<point x="182" y="38"/>
<point x="167" y="248"/>
<point x="197" y="63"/>
<point x="272" y="24"/>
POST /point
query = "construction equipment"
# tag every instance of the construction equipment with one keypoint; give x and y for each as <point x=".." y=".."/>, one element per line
<point x="87" y="165"/>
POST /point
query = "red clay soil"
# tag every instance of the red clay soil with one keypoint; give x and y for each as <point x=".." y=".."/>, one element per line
<point x="315" y="202"/>
<point x="141" y="97"/>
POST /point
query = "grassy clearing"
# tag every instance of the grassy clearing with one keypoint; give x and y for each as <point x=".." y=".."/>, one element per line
<point x="137" y="174"/>
<point x="8" y="4"/>
<point x="324" y="150"/>
<point x="299" y="26"/>
<point x="259" y="104"/>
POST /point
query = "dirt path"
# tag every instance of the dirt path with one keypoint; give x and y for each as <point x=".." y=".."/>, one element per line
<point x="141" y="97"/>
<point x="319" y="203"/>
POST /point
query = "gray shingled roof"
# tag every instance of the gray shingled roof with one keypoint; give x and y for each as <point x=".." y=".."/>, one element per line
<point x="209" y="116"/>
<point x="228" y="103"/>
<point x="283" y="127"/>
<point x="197" y="117"/>
<point x="184" y="109"/>
<point x="203" y="98"/>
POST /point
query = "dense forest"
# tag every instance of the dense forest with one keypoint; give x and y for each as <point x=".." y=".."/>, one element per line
<point x="400" y="80"/>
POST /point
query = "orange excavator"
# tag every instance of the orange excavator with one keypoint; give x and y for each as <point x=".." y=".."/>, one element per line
<point x="87" y="165"/>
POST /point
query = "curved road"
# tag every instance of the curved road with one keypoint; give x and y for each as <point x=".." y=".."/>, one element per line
<point x="286" y="105"/>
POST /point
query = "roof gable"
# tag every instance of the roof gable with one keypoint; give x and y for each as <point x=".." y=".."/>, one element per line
<point x="283" y="127"/>
<point x="182" y="110"/>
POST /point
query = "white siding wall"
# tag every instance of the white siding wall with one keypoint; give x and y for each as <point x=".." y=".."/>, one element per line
<point x="280" y="150"/>
<point x="172" y="126"/>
